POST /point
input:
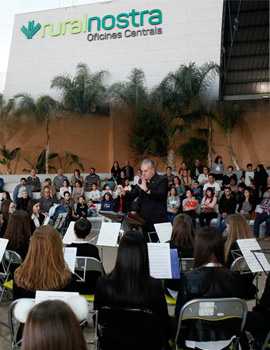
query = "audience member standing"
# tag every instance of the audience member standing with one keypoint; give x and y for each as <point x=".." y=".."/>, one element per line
<point x="196" y="170"/>
<point x="129" y="171"/>
<point x="218" y="168"/>
<point x="115" y="171"/>
<point x="260" y="177"/>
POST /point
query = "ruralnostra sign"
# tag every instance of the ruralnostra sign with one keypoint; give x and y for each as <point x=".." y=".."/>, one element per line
<point x="135" y="19"/>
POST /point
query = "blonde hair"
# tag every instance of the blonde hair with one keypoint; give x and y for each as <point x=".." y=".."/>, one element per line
<point x="237" y="229"/>
<point x="44" y="267"/>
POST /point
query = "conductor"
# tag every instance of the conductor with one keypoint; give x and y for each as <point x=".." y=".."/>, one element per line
<point x="152" y="193"/>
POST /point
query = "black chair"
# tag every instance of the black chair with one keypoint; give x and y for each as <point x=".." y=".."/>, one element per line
<point x="129" y="329"/>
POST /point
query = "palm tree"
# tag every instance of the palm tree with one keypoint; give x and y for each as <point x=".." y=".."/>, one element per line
<point x="179" y="98"/>
<point x="8" y="156"/>
<point x="228" y="117"/>
<point x="133" y="92"/>
<point x="42" y="109"/>
<point x="84" y="93"/>
<point x="147" y="137"/>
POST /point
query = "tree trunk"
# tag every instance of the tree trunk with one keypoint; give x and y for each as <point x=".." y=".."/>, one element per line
<point x="8" y="167"/>
<point x="171" y="159"/>
<point x="232" y="154"/>
<point x="210" y="143"/>
<point x="47" y="146"/>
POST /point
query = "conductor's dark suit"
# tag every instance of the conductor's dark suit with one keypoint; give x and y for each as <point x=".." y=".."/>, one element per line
<point x="153" y="206"/>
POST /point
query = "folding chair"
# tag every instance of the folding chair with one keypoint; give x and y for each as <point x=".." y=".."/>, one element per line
<point x="122" y="328"/>
<point x="211" y="311"/>
<point x="15" y="326"/>
<point x="10" y="259"/>
<point x="84" y="264"/>
<point x="240" y="265"/>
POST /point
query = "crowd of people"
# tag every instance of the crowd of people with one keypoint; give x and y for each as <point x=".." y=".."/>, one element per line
<point x="192" y="193"/>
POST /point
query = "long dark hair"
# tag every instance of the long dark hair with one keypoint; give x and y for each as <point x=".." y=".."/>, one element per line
<point x="18" y="229"/>
<point x="208" y="247"/>
<point x="52" y="325"/>
<point x="217" y="158"/>
<point x="30" y="205"/>
<point x="5" y="208"/>
<point x="7" y="195"/>
<point x="182" y="232"/>
<point x="128" y="280"/>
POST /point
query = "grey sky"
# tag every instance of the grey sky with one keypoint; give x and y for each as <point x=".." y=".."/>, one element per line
<point x="8" y="9"/>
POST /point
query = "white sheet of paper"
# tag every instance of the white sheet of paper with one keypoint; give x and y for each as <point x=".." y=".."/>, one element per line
<point x="164" y="231"/>
<point x="108" y="234"/>
<point x="246" y="246"/>
<point x="3" y="246"/>
<point x="159" y="260"/>
<point x="69" y="236"/>
<point x="42" y="295"/>
<point x="70" y="256"/>
<point x="46" y="221"/>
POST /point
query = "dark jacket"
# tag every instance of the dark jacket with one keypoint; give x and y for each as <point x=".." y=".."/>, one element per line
<point x="227" y="205"/>
<point x="227" y="179"/>
<point x="247" y="289"/>
<point x="193" y="171"/>
<point x="41" y="218"/>
<point x="207" y="282"/>
<point x="153" y="299"/>
<point x="153" y="206"/>
<point x="130" y="170"/>
<point x="86" y="249"/>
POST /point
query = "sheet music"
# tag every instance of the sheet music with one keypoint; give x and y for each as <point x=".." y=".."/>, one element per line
<point x="246" y="246"/>
<point x="3" y="246"/>
<point x="42" y="295"/>
<point x="108" y="234"/>
<point x="159" y="260"/>
<point x="69" y="236"/>
<point x="46" y="221"/>
<point x="70" y="256"/>
<point x="164" y="231"/>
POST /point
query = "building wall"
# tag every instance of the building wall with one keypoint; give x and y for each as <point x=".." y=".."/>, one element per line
<point x="191" y="32"/>
<point x="99" y="140"/>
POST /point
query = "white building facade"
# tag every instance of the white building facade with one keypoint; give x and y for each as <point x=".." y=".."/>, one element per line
<point x="117" y="36"/>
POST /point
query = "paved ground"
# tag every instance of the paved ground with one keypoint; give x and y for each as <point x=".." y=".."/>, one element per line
<point x="109" y="256"/>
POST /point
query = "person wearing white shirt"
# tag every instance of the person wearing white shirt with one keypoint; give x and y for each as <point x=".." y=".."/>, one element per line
<point x="65" y="188"/>
<point x="203" y="178"/>
<point x="95" y="194"/>
<point x="212" y="184"/>
<point x="137" y="177"/>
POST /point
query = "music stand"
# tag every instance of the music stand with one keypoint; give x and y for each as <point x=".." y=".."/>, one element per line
<point x="262" y="251"/>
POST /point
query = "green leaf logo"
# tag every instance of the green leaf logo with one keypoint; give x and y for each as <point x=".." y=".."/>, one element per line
<point x="31" y="30"/>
